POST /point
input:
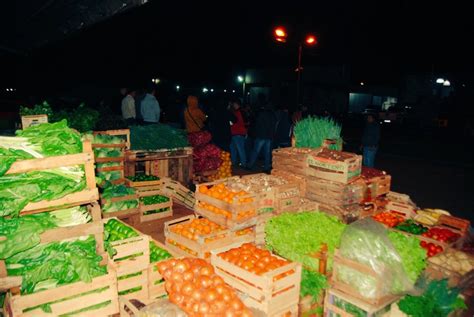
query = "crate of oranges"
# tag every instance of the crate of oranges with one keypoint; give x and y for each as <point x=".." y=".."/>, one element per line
<point x="226" y="205"/>
<point x="193" y="236"/>
<point x="271" y="283"/>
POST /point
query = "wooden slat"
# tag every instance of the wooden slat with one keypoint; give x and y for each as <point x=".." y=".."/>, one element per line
<point x="75" y="199"/>
<point x="49" y="163"/>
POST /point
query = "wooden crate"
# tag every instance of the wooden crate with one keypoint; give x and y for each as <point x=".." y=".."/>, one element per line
<point x="120" y="132"/>
<point x="129" y="309"/>
<point x="181" y="195"/>
<point x="94" y="228"/>
<point x="132" y="259"/>
<point x="405" y="209"/>
<point x="68" y="299"/>
<point x="152" y="185"/>
<point x="122" y="214"/>
<point x="402" y="198"/>
<point x="31" y="120"/>
<point x="335" y="298"/>
<point x="335" y="193"/>
<point x="379" y="297"/>
<point x="347" y="214"/>
<point x="145" y="208"/>
<point x="378" y="182"/>
<point x="292" y="178"/>
<point x="86" y="196"/>
<point x="176" y="164"/>
<point x="156" y="284"/>
<point x="200" y="248"/>
<point x="263" y="293"/>
<point x="335" y="166"/>
<point x="291" y="159"/>
<point x="203" y="177"/>
<point x="118" y="168"/>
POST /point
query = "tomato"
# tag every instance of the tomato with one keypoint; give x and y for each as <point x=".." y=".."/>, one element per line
<point x="423" y="244"/>
<point x="439" y="249"/>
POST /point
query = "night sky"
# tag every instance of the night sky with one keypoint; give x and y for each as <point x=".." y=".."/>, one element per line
<point x="197" y="43"/>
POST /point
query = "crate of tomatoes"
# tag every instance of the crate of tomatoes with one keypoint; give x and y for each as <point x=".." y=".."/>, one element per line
<point x="271" y="283"/>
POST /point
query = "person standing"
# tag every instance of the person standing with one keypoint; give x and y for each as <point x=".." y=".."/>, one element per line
<point x="239" y="134"/>
<point x="150" y="108"/>
<point x="264" y="134"/>
<point x="194" y="117"/>
<point x="283" y="128"/>
<point x="370" y="141"/>
<point x="128" y="107"/>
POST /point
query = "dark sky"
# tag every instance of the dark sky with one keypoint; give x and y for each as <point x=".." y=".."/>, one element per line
<point x="192" y="41"/>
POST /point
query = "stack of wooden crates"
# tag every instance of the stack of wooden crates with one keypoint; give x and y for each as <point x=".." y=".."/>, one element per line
<point x="77" y="296"/>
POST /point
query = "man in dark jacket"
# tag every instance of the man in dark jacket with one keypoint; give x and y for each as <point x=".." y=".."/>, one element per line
<point x="370" y="140"/>
<point x="264" y="134"/>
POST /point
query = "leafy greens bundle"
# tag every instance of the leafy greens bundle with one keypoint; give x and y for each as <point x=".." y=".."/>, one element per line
<point x="156" y="137"/>
<point x="312" y="131"/>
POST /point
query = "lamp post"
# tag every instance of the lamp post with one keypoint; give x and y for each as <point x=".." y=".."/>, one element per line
<point x="241" y="79"/>
<point x="309" y="40"/>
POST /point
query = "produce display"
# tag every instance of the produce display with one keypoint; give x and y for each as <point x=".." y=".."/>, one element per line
<point x="312" y="131"/>
<point x="429" y="217"/>
<point x="206" y="157"/>
<point x="157" y="137"/>
<point x="143" y="178"/>
<point x="46" y="266"/>
<point x="412" y="227"/>
<point x="431" y="248"/>
<point x="397" y="259"/>
<point x="48" y="139"/>
<point x="312" y="284"/>
<point x="106" y="139"/>
<point x="81" y="118"/>
<point x="389" y="218"/>
<point x="198" y="227"/>
<point x="254" y="260"/>
<point x="297" y="236"/>
<point x="114" y="191"/>
<point x="225" y="170"/>
<point x="229" y="196"/>
<point x="23" y="233"/>
<point x="199" y="138"/>
<point x="437" y="300"/>
<point x="153" y="200"/>
<point x="42" y="108"/>
<point x="442" y="235"/>
<point x="195" y="288"/>
<point x="455" y="261"/>
<point x="157" y="254"/>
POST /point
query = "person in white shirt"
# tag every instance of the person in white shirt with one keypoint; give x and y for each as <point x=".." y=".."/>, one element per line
<point x="128" y="107"/>
<point x="150" y="108"/>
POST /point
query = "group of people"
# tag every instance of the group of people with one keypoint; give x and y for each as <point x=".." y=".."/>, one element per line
<point x="140" y="107"/>
<point x="243" y="132"/>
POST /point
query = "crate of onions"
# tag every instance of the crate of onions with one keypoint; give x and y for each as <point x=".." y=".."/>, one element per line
<point x="193" y="286"/>
<point x="270" y="283"/>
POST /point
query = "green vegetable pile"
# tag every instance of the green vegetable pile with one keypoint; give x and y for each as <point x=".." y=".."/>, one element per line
<point x="412" y="227"/>
<point x="81" y="118"/>
<point x="312" y="131"/>
<point x="398" y="260"/>
<point x="46" y="266"/>
<point x="438" y="300"/>
<point x="356" y="311"/>
<point x="152" y="200"/>
<point x="118" y="191"/>
<point x="312" y="283"/>
<point x="49" y="139"/>
<point x="296" y="236"/>
<point x="143" y="178"/>
<point x="23" y="233"/>
<point x="158" y="254"/>
<point x="107" y="152"/>
<point x="106" y="139"/>
<point x="156" y="137"/>
<point x="43" y="108"/>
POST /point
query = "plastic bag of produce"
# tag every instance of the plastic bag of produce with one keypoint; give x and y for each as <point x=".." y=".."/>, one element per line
<point x="206" y="164"/>
<point x="199" y="138"/>
<point x="208" y="150"/>
<point x="368" y="242"/>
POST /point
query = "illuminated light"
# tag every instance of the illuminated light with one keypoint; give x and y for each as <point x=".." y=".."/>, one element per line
<point x="225" y="90"/>
<point x="446" y="83"/>
<point x="204" y="90"/>
<point x="248" y="94"/>
<point x="362" y="83"/>
<point x="240" y="79"/>
<point x="233" y="91"/>
<point x="177" y="87"/>
<point x="440" y="81"/>
<point x="311" y="40"/>
<point x="387" y="121"/>
<point x="280" y="31"/>
<point x="212" y="90"/>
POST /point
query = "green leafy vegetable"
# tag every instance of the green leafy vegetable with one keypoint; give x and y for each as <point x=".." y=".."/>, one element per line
<point x="143" y="178"/>
<point x="81" y="118"/>
<point x="296" y="236"/>
<point x="312" y="283"/>
<point x="118" y="191"/>
<point x="157" y="136"/>
<point x="43" y="108"/>
<point x="312" y="131"/>
<point x="438" y="300"/>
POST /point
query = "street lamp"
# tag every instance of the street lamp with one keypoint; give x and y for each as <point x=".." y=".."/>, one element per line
<point x="309" y="40"/>
<point x="204" y="90"/>
<point x="241" y="79"/>
<point x="440" y="81"/>
<point x="177" y="87"/>
<point x="446" y="83"/>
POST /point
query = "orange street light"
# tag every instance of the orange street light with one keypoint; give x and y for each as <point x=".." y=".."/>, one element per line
<point x="311" y="40"/>
<point x="280" y="34"/>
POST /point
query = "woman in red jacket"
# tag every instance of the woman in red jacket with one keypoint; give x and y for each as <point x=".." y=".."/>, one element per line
<point x="239" y="134"/>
